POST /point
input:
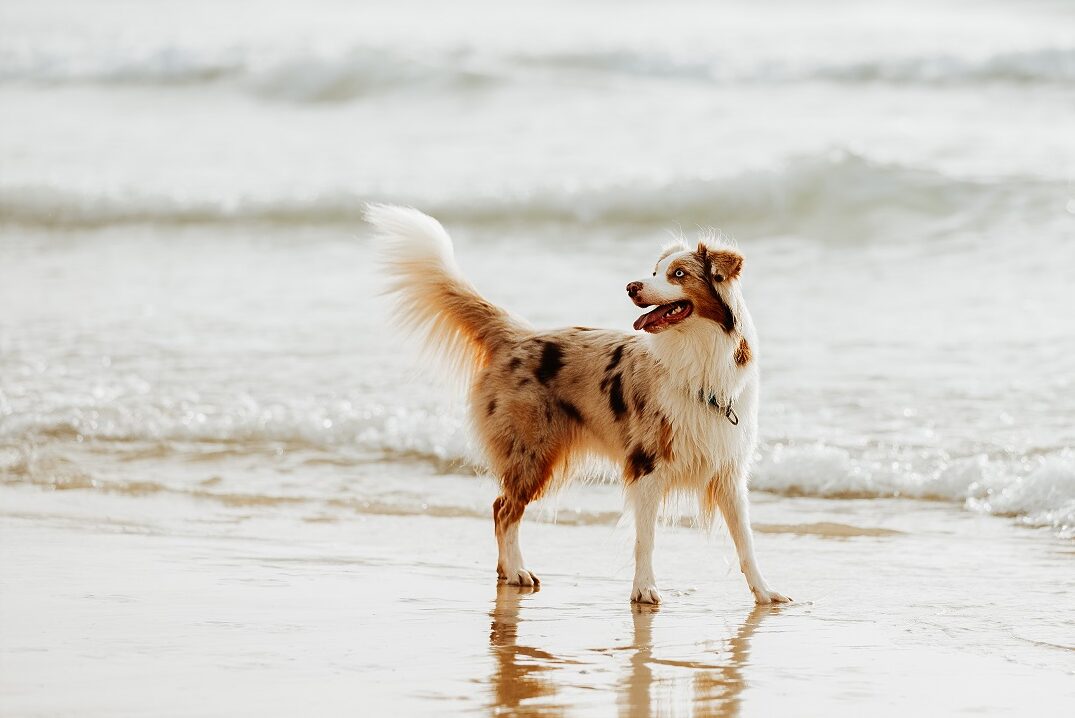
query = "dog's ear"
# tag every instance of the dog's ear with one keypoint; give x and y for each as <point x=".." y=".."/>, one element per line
<point x="721" y="265"/>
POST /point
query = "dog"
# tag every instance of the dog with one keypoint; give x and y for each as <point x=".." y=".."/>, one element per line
<point x="675" y="404"/>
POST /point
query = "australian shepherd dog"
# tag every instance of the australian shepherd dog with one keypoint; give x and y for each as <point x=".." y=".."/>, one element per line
<point x="675" y="403"/>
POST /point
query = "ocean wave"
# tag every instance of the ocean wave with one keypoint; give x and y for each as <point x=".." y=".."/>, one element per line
<point x="828" y="189"/>
<point x="1037" y="66"/>
<point x="301" y="75"/>
<point x="244" y="425"/>
<point x="1036" y="489"/>
<point x="1052" y="65"/>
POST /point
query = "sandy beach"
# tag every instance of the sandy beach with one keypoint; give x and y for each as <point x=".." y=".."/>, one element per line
<point x="900" y="608"/>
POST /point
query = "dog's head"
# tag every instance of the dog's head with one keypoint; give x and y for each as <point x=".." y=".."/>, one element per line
<point x="689" y="285"/>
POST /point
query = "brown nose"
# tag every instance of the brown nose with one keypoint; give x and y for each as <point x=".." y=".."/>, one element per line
<point x="634" y="288"/>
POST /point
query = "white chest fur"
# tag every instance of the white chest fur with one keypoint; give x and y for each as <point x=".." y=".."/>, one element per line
<point x="707" y="443"/>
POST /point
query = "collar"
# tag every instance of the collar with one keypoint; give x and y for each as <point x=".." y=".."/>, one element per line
<point x="710" y="398"/>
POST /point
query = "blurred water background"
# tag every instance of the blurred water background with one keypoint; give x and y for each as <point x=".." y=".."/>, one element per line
<point x="188" y="304"/>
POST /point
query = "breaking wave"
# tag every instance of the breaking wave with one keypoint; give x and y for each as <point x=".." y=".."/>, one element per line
<point x="1036" y="489"/>
<point x="301" y="75"/>
<point x="825" y="188"/>
<point x="1039" y="66"/>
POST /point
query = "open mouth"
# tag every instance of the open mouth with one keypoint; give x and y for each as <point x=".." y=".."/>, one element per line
<point x="664" y="316"/>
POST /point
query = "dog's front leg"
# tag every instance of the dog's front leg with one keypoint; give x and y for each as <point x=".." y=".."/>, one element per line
<point x="644" y="504"/>
<point x="736" y="511"/>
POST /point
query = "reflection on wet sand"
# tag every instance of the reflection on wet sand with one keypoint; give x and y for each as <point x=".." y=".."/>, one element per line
<point x="716" y="685"/>
<point x="519" y="670"/>
<point x="654" y="682"/>
<point x="718" y="690"/>
<point x="636" y="697"/>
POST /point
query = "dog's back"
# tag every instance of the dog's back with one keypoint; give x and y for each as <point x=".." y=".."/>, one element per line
<point x="550" y="398"/>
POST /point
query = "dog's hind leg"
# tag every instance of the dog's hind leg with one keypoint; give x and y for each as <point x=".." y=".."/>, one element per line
<point x="510" y="567"/>
<point x="731" y="497"/>
<point x="525" y="454"/>
<point x="523" y="482"/>
<point x="644" y="503"/>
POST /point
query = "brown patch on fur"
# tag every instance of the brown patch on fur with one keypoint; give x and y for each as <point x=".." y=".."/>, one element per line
<point x="665" y="440"/>
<point x="639" y="464"/>
<point x="691" y="265"/>
<point x="532" y="487"/>
<point x="491" y="408"/>
<point x="514" y="363"/>
<point x="709" y="501"/>
<point x="713" y="494"/>
<point x="742" y="353"/>
<point x="506" y="511"/>
<point x="719" y="312"/>
<point x="498" y="504"/>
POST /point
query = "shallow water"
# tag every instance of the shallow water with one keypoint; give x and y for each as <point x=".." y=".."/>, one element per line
<point x="186" y="282"/>
<point x="262" y="360"/>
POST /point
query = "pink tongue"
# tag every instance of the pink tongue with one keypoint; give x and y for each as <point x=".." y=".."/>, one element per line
<point x="650" y="317"/>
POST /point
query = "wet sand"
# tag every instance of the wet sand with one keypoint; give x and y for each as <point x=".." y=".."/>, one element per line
<point x="157" y="606"/>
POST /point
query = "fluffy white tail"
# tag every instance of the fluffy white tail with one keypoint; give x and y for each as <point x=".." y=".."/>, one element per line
<point x="432" y="296"/>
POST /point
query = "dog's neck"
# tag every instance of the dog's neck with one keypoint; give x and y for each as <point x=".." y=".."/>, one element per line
<point x="701" y="357"/>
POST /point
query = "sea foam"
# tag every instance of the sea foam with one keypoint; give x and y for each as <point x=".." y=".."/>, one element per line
<point x="1037" y="488"/>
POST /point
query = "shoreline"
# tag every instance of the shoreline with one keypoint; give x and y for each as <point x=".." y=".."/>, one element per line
<point x="899" y="608"/>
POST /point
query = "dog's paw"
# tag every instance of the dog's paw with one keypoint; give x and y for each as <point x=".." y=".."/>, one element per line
<point x="645" y="594"/>
<point x="763" y="596"/>
<point x="518" y="577"/>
